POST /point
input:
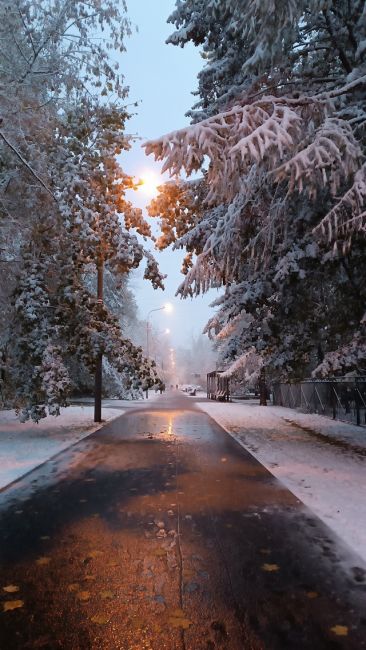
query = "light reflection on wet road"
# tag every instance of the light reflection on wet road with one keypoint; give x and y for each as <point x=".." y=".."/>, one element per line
<point x="160" y="532"/>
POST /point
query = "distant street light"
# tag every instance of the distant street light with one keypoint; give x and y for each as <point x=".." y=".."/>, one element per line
<point x="168" y="307"/>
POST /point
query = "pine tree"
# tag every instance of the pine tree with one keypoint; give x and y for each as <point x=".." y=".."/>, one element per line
<point x="278" y="216"/>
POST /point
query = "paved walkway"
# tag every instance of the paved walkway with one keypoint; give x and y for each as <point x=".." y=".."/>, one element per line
<point x="159" y="532"/>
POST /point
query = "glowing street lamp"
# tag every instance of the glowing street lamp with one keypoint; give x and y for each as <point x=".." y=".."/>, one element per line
<point x="168" y="307"/>
<point x="149" y="183"/>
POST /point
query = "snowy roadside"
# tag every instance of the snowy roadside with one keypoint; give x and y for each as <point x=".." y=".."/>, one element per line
<point x="322" y="462"/>
<point x="25" y="446"/>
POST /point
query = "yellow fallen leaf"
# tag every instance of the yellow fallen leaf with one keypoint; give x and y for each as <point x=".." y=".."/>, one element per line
<point x="177" y="613"/>
<point x="270" y="567"/>
<point x="312" y="594"/>
<point x="11" y="589"/>
<point x="340" y="630"/>
<point x="95" y="554"/>
<point x="106" y="595"/>
<point x="90" y="577"/>
<point x="157" y="628"/>
<point x="100" y="619"/>
<point x="9" y="605"/>
<point x="43" y="561"/>
<point x="83" y="595"/>
<point x="177" y="619"/>
<point x="160" y="552"/>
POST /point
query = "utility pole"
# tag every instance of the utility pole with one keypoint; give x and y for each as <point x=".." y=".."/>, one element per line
<point x="262" y="387"/>
<point x="168" y="308"/>
<point x="99" y="360"/>
<point x="147" y="347"/>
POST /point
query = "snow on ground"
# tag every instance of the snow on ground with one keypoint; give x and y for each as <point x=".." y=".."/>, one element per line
<point x="322" y="462"/>
<point x="25" y="446"/>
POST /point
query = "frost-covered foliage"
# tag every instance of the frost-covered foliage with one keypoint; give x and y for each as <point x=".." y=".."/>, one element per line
<point x="278" y="215"/>
<point x="63" y="208"/>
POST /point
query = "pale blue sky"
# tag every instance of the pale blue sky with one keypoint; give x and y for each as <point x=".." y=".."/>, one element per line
<point x="162" y="77"/>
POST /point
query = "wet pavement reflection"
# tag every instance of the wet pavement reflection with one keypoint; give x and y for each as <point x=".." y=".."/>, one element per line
<point x="161" y="532"/>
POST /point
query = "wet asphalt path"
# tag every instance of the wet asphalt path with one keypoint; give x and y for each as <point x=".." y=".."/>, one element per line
<point x="159" y="532"/>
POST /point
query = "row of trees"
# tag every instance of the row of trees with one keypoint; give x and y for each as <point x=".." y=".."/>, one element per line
<point x="63" y="211"/>
<point x="274" y="211"/>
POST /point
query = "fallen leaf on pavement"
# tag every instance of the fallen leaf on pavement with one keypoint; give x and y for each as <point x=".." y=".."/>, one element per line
<point x="95" y="554"/>
<point x="160" y="552"/>
<point x="270" y="567"/>
<point x="138" y="623"/>
<point x="100" y="619"/>
<point x="83" y="595"/>
<point x="11" y="589"/>
<point x="106" y="595"/>
<point x="43" y="561"/>
<point x="177" y="620"/>
<point x="9" y="605"/>
<point x="340" y="630"/>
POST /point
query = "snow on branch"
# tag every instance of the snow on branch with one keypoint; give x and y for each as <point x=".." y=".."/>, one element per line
<point x="231" y="141"/>
<point x="341" y="219"/>
<point x="332" y="156"/>
<point x="247" y="365"/>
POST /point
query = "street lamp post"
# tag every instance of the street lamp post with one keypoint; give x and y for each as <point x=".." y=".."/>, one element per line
<point x="99" y="361"/>
<point x="167" y="307"/>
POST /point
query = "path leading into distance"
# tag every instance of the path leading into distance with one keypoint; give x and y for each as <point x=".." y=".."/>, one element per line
<point x="159" y="532"/>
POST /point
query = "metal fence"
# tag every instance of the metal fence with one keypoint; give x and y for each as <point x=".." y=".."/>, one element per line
<point x="341" y="399"/>
<point x="218" y="387"/>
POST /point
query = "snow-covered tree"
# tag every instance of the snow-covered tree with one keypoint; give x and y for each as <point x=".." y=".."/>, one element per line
<point x="278" y="216"/>
<point x="63" y="197"/>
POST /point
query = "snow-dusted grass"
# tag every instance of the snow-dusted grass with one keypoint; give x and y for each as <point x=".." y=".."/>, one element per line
<point x="25" y="446"/>
<point x="323" y="462"/>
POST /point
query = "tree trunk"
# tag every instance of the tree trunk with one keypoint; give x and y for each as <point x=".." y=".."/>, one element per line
<point x="262" y="388"/>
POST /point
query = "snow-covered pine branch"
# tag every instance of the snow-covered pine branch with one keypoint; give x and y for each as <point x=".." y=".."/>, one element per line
<point x="279" y="134"/>
<point x="232" y="141"/>
<point x="346" y="216"/>
<point x="332" y="157"/>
